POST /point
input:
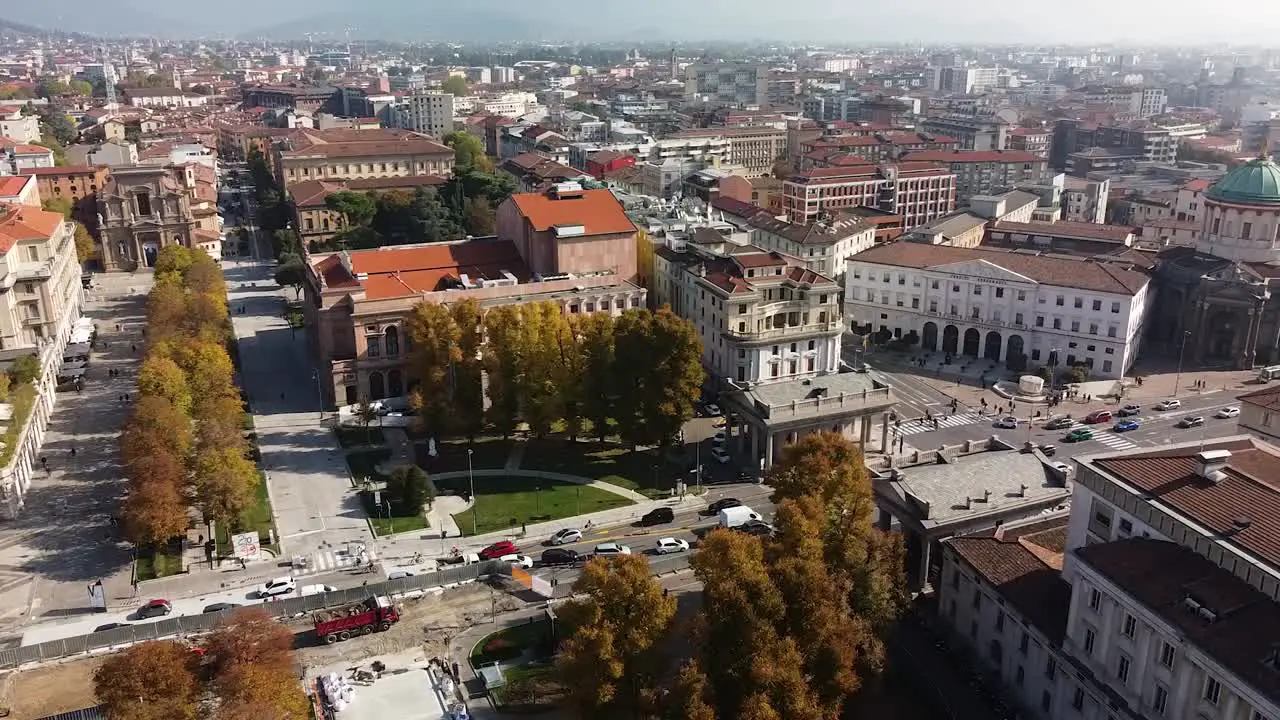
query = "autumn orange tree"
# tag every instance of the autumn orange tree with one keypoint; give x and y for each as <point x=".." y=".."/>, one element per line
<point x="149" y="681"/>
<point x="611" y="665"/>
<point x="186" y="387"/>
<point x="251" y="663"/>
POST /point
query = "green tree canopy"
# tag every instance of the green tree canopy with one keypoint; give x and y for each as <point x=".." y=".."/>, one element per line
<point x="356" y="208"/>
<point x="456" y="85"/>
<point x="468" y="149"/>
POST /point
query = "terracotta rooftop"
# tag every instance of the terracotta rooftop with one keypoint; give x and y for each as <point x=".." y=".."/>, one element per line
<point x="974" y="156"/>
<point x="400" y="271"/>
<point x="1068" y="229"/>
<point x="19" y="222"/>
<point x="1249" y="487"/>
<point x="598" y="211"/>
<point x="1162" y="576"/>
<point x="63" y="170"/>
<point x="1024" y="565"/>
<point x="1056" y="270"/>
<point x="11" y="185"/>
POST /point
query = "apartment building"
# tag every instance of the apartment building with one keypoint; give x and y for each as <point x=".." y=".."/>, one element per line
<point x="823" y="246"/>
<point x="40" y="303"/>
<point x="1036" y="142"/>
<point x="569" y="246"/>
<point x="917" y="191"/>
<point x="16" y="157"/>
<point x="163" y="98"/>
<point x="1143" y="102"/>
<point x="1006" y="306"/>
<point x="986" y="172"/>
<point x="294" y="96"/>
<point x="351" y="154"/>
<point x="965" y="80"/>
<point x="428" y="113"/>
<point x="728" y="83"/>
<point x="761" y="315"/>
<point x="878" y="147"/>
<point x="754" y="149"/>
<point x="20" y="190"/>
<point x="17" y="126"/>
<point x="1118" y="142"/>
<point x="973" y="131"/>
<point x="79" y="184"/>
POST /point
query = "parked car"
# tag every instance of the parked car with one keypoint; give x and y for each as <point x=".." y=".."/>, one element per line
<point x="1228" y="412"/>
<point x="400" y="573"/>
<point x="720" y="455"/>
<point x="564" y="536"/>
<point x="1169" y="405"/>
<point x="1007" y="422"/>
<point x="722" y="504"/>
<point x="560" y="556"/>
<point x="306" y="590"/>
<point x="713" y="409"/>
<point x="721" y="437"/>
<point x="110" y="626"/>
<point x="523" y="561"/>
<point x="1060" y="423"/>
<point x="658" y="516"/>
<point x="671" y="545"/>
<point x="277" y="586"/>
<point x="498" y="549"/>
<point x="1126" y="426"/>
<point x="1098" y="416"/>
<point x="1191" y="421"/>
<point x="1078" y="435"/>
<point x="219" y="607"/>
<point x="612" y="548"/>
<point x="1129" y="410"/>
<point x="155" y="608"/>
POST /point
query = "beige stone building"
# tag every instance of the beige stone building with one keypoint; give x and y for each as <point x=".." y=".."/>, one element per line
<point x="572" y="247"/>
<point x="145" y="208"/>
<point x="344" y="154"/>
<point x="754" y="149"/>
<point x="313" y="219"/>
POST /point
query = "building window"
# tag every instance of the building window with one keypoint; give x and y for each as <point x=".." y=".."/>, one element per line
<point x="915" y="303"/>
<point x="955" y="287"/>
<point x="1035" y="354"/>
<point x="1097" y="305"/>
<point x="1017" y="318"/>
<point x="1115" y="308"/>
<point x="1057" y="323"/>
<point x="33" y="253"/>
<point x="999" y="292"/>
<point x="1051" y="668"/>
<point x="977" y="289"/>
<point x="142" y="201"/>
<point x="1122" y="669"/>
<point x="1106" y="365"/>
<point x="933" y="306"/>
<point x="1019" y="676"/>
<point x="1090" y="638"/>
<point x="1212" y="690"/>
<point x="977" y="599"/>
<point x="742" y="309"/>
<point x="1160" y="700"/>
<point x="1130" y="622"/>
<point x="1077" y="699"/>
<point x="1046" y="701"/>
<point x="1111" y="331"/>
<point x="1075" y="326"/>
<point x="1093" y="328"/>
<point x="1095" y="598"/>
<point x="373" y="343"/>
<point x="1060" y="301"/>
<point x="393" y="341"/>
<point x="933" y="285"/>
<point x="1000" y="620"/>
<point x="1022" y="296"/>
<point x="1024" y="642"/>
<point x="1077" y="303"/>
<point x="1039" y="321"/>
<point x="1167" y="655"/>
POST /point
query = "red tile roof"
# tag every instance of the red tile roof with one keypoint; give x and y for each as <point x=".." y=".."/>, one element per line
<point x="63" y="170"/>
<point x="1249" y="488"/>
<point x="411" y="270"/>
<point x="11" y="185"/>
<point x="1268" y="398"/>
<point x="598" y="211"/>
<point x="19" y="222"/>
<point x="1161" y="576"/>
<point x="1067" y="229"/>
<point x="1024" y="566"/>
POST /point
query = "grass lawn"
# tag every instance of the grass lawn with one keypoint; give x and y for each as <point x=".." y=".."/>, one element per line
<point x="505" y="502"/>
<point x="488" y="453"/>
<point x="531" y="688"/>
<point x="401" y="520"/>
<point x="159" y="562"/>
<point x="256" y="517"/>
<point x="363" y="462"/>
<point x="609" y="463"/>
<point x="510" y="643"/>
<point x="349" y="436"/>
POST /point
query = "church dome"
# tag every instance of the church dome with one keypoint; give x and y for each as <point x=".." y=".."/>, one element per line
<point x="1257" y="182"/>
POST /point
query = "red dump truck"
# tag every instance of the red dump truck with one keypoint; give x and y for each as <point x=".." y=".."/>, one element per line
<point x="373" y="614"/>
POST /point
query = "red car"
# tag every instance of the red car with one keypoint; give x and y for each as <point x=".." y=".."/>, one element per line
<point x="1098" y="416"/>
<point x="155" y="608"/>
<point x="498" y="549"/>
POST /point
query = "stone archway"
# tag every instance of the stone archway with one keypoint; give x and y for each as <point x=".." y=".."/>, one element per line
<point x="929" y="338"/>
<point x="993" y="345"/>
<point x="972" y="339"/>
<point x="377" y="388"/>
<point x="950" y="340"/>
<point x="1014" y="352"/>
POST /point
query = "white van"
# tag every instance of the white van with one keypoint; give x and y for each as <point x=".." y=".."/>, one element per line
<point x="737" y="516"/>
<point x="306" y="590"/>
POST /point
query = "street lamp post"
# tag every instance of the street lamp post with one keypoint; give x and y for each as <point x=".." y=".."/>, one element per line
<point x="1186" y="334"/>
<point x="391" y="523"/>
<point x="471" y="478"/>
<point x="319" y="394"/>
<point x="1053" y="367"/>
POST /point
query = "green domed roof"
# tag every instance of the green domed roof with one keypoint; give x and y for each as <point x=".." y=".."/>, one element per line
<point x="1257" y="182"/>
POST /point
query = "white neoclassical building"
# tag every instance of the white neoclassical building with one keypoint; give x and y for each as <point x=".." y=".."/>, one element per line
<point x="1017" y="308"/>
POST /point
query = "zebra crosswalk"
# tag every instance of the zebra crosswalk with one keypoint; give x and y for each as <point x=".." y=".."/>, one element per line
<point x="330" y="560"/>
<point x="919" y="425"/>
<point x="1111" y="439"/>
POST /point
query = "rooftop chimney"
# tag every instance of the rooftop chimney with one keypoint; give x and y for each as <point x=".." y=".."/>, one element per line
<point x="1212" y="464"/>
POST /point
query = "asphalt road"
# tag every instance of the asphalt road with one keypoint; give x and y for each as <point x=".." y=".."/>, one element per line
<point x="1155" y="428"/>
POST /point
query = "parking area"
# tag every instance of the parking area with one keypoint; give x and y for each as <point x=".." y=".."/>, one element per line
<point x="64" y="541"/>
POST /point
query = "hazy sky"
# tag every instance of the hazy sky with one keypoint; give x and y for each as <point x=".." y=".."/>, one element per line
<point x="1181" y="21"/>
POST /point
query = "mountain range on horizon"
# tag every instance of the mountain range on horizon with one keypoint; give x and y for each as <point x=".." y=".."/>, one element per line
<point x="655" y="20"/>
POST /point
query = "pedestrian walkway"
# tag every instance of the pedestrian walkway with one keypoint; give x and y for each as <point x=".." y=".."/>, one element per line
<point x="1111" y="439"/>
<point x="336" y="559"/>
<point x="920" y="425"/>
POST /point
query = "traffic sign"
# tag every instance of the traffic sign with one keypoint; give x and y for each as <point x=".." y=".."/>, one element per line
<point x="245" y="545"/>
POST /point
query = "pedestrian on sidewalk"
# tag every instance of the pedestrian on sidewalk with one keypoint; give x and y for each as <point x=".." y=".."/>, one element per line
<point x="73" y="451"/>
